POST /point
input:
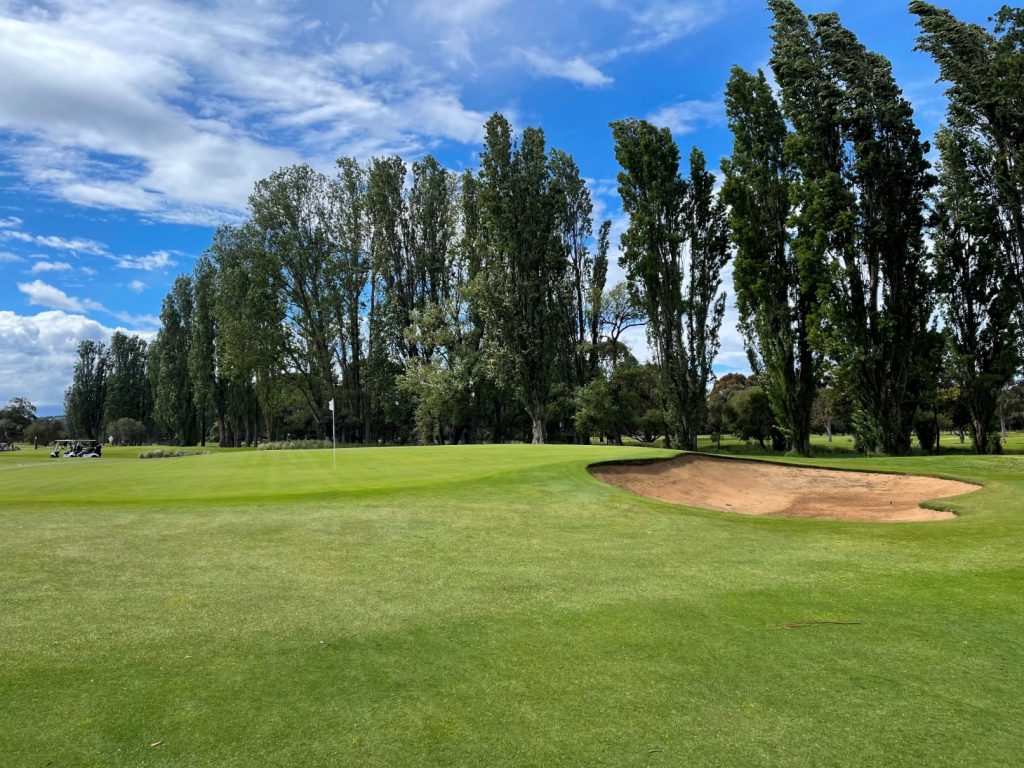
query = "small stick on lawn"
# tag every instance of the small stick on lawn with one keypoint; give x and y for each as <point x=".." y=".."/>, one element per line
<point x="805" y="624"/>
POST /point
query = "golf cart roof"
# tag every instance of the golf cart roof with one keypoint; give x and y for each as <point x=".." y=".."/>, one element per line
<point x="73" y="441"/>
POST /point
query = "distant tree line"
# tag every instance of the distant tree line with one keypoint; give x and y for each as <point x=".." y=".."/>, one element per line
<point x="874" y="291"/>
<point x="426" y="306"/>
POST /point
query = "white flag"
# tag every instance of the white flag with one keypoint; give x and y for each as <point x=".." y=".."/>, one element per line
<point x="332" y="404"/>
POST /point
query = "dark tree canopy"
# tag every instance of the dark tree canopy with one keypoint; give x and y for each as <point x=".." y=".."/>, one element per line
<point x="778" y="284"/>
<point x="859" y="192"/>
<point x="979" y="301"/>
<point x="84" y="399"/>
<point x="985" y="72"/>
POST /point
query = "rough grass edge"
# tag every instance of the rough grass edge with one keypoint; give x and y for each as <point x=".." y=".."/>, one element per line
<point x="294" y="445"/>
<point x="162" y="453"/>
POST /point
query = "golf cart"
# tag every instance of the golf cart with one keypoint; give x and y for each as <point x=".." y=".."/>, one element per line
<point x="77" y="448"/>
<point x="4" y="446"/>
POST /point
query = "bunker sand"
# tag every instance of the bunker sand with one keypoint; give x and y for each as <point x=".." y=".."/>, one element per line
<point x="766" y="489"/>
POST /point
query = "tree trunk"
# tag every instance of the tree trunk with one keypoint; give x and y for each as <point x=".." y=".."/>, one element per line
<point x="539" y="429"/>
<point x="979" y="436"/>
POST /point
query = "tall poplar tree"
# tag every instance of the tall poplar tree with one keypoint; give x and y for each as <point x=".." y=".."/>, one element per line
<point x="202" y="359"/>
<point x="294" y="210"/>
<point x="985" y="72"/>
<point x="574" y="209"/>
<point x="860" y="195"/>
<point x="674" y="251"/>
<point x="84" y="399"/>
<point x="250" y="320"/>
<point x="777" y="286"/>
<point x="351" y="271"/>
<point x="522" y="289"/>
<point x="979" y="300"/>
<point x="174" y="396"/>
<point x="128" y="392"/>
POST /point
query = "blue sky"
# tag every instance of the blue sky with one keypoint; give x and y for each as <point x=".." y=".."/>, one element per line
<point x="130" y="128"/>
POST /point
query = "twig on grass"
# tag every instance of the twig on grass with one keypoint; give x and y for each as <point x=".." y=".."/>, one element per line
<point x="805" y="624"/>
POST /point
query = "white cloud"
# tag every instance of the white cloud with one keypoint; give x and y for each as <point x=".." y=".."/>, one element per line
<point x="12" y="222"/>
<point x="43" y="294"/>
<point x="6" y="257"/>
<point x="46" y="295"/>
<point x="49" y="266"/>
<point x="136" y="286"/>
<point x="154" y="261"/>
<point x="576" y="69"/>
<point x="663" y="21"/>
<point x="373" y="58"/>
<point x="75" y="244"/>
<point x="688" y="116"/>
<point x="457" y="23"/>
<point x="151" y="322"/>
<point x="174" y="110"/>
<point x="38" y="353"/>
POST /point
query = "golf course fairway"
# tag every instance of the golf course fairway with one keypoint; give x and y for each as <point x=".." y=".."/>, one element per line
<point x="494" y="606"/>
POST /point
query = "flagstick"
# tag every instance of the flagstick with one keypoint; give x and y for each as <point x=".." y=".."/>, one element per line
<point x="334" y="439"/>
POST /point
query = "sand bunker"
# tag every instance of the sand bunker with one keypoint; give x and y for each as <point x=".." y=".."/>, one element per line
<point x="762" y="488"/>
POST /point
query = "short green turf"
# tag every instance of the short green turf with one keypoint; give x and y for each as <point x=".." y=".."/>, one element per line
<point x="493" y="606"/>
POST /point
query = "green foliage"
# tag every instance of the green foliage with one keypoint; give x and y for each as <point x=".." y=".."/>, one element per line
<point x="752" y="417"/>
<point x="926" y="427"/>
<point x="202" y="349"/>
<point x="126" y="431"/>
<point x="174" y="394"/>
<point x="979" y="298"/>
<point x="293" y="211"/>
<point x="594" y="409"/>
<point x="858" y="195"/>
<point x="778" y="287"/>
<point x="673" y="251"/>
<point x="522" y="290"/>
<point x="721" y="409"/>
<point x="84" y="399"/>
<point x="249" y="333"/>
<point x="128" y="390"/>
<point x="16" y="417"/>
<point x="985" y="72"/>
<point x="294" y="445"/>
<point x="44" y="431"/>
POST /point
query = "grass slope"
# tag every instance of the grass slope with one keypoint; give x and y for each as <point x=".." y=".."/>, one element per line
<point x="492" y="605"/>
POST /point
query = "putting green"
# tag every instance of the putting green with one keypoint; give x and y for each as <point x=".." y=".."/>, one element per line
<point x="493" y="605"/>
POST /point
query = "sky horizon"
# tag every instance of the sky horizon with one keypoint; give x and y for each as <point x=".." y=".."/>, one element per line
<point x="131" y="129"/>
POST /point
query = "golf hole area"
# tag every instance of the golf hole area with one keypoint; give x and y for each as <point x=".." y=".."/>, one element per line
<point x="766" y="489"/>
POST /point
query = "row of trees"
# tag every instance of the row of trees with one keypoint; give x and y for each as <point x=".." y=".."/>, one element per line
<point x="449" y="308"/>
<point x="831" y="200"/>
<point x="416" y="304"/>
<point x="421" y="305"/>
